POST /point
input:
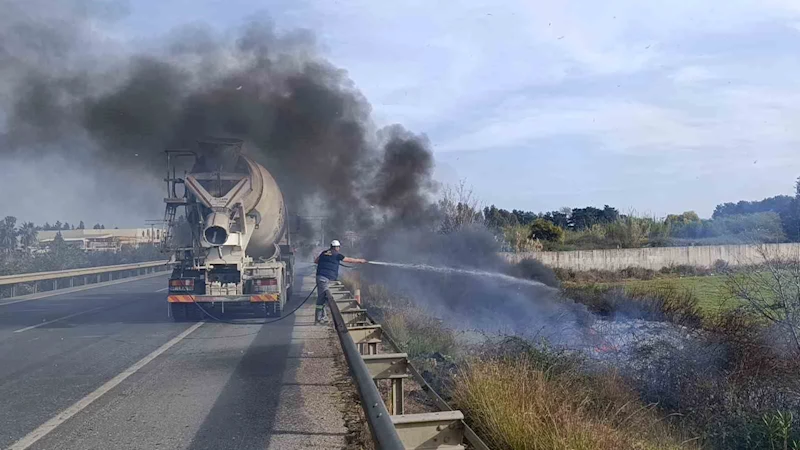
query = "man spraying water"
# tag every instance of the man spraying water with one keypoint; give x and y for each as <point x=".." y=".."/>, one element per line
<point x="328" y="270"/>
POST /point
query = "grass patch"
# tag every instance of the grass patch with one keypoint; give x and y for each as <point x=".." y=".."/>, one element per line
<point x="713" y="298"/>
<point x="520" y="404"/>
<point x="711" y="292"/>
<point x="413" y="329"/>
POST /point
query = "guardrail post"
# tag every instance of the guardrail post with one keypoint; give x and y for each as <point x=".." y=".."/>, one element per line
<point x="396" y="397"/>
<point x="394" y="367"/>
<point x="55" y="284"/>
<point x="99" y="277"/>
<point x="437" y="430"/>
<point x="35" y="286"/>
<point x="354" y="316"/>
<point x="71" y="281"/>
<point x="13" y="289"/>
<point x="366" y="337"/>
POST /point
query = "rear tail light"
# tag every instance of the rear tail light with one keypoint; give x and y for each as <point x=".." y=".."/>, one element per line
<point x="184" y="284"/>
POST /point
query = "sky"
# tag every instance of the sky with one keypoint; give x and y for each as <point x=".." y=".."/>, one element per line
<point x="651" y="107"/>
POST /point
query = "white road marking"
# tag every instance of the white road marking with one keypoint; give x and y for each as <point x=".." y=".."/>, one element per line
<point x="86" y="287"/>
<point x="163" y="289"/>
<point x="60" y="318"/>
<point x="81" y="404"/>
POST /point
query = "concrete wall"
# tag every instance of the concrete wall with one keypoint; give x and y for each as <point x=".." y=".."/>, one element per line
<point x="656" y="258"/>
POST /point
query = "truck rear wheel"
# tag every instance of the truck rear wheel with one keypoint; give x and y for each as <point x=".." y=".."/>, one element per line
<point x="267" y="309"/>
<point x="194" y="313"/>
<point x="261" y="310"/>
<point x="178" y="312"/>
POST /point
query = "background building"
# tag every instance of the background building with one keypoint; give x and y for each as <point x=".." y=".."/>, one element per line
<point x="104" y="240"/>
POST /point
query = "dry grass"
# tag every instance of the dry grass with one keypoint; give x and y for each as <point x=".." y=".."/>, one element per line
<point x="516" y="404"/>
<point x="415" y="330"/>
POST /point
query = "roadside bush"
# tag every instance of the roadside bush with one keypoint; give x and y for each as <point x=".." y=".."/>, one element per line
<point x="604" y="276"/>
<point x="731" y="388"/>
<point x="668" y="303"/>
<point x="415" y="331"/>
<point x="720" y="266"/>
<point x="678" y="306"/>
<point x="526" y="403"/>
<point x="419" y="334"/>
<point x="685" y="270"/>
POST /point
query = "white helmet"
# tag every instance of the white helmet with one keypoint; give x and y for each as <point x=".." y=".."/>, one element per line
<point x="336" y="243"/>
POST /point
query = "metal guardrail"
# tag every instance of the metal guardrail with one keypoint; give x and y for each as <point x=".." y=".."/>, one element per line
<point x="380" y="423"/>
<point x="97" y="272"/>
<point x="390" y="427"/>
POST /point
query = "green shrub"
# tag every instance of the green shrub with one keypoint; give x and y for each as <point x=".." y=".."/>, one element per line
<point x="546" y="231"/>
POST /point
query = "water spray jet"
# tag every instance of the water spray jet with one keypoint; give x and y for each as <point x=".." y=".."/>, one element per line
<point x="453" y="270"/>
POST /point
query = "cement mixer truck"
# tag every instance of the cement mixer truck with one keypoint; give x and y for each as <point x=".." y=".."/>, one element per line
<point x="226" y="233"/>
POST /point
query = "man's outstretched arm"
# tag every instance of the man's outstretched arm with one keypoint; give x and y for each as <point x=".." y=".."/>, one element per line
<point x="354" y="260"/>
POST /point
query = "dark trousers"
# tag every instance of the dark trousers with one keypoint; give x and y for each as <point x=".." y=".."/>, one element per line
<point x="323" y="296"/>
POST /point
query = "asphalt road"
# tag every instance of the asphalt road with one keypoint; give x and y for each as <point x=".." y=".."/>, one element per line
<point x="106" y="369"/>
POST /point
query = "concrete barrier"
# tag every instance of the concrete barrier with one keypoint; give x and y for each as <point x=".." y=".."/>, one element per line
<point x="657" y="258"/>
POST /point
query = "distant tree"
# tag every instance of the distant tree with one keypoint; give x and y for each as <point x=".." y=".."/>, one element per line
<point x="583" y="218"/>
<point x="790" y="216"/>
<point x="524" y="217"/>
<point x="559" y="218"/>
<point x="96" y="226"/>
<point x="47" y="226"/>
<point x="8" y="234"/>
<point x="65" y="226"/>
<point x="27" y="234"/>
<point x="546" y="231"/>
<point x="58" y="241"/>
<point x="609" y="214"/>
<point x="459" y="208"/>
<point x="682" y="219"/>
<point x="57" y="225"/>
<point x="497" y="219"/>
<point x="81" y="226"/>
<point x="775" y="204"/>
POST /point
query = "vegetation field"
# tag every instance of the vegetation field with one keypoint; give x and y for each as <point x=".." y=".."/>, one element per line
<point x="710" y="291"/>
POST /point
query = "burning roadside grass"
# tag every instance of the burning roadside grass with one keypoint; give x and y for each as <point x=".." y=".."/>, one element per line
<point x="644" y="372"/>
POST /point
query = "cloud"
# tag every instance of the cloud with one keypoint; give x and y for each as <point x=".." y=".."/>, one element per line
<point x="691" y="75"/>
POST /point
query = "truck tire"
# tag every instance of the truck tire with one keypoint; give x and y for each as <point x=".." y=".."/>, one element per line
<point x="267" y="309"/>
<point x="178" y="312"/>
<point x="262" y="309"/>
<point x="194" y="313"/>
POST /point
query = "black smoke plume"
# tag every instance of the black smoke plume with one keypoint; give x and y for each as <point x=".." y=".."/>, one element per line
<point x="69" y="91"/>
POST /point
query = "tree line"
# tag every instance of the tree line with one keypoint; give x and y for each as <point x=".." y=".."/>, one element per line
<point x="774" y="219"/>
<point x="66" y="226"/>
